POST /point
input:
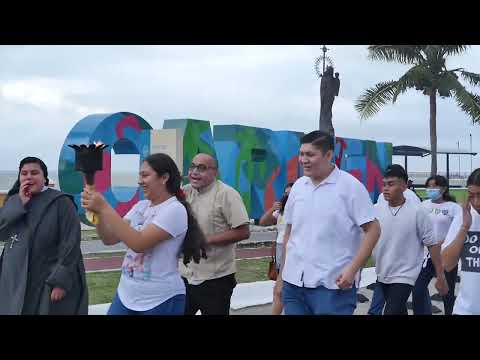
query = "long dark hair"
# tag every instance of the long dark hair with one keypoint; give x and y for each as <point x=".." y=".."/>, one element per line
<point x="28" y="160"/>
<point x="194" y="245"/>
<point x="474" y="178"/>
<point x="284" y="198"/>
<point x="442" y="182"/>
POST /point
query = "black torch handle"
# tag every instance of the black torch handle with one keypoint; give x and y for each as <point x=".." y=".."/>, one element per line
<point x="89" y="177"/>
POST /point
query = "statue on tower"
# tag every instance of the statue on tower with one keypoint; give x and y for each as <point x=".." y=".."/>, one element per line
<point x="329" y="88"/>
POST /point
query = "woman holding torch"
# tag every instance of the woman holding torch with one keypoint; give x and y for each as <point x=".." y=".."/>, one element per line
<point x="156" y="231"/>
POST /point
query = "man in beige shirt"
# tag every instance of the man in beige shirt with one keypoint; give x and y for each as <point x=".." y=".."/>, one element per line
<point x="223" y="218"/>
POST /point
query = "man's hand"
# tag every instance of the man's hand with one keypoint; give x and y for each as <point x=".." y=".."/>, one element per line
<point x="345" y="279"/>
<point x="441" y="284"/>
<point x="57" y="294"/>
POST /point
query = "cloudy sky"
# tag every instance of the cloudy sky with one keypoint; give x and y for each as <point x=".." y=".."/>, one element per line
<point x="45" y="90"/>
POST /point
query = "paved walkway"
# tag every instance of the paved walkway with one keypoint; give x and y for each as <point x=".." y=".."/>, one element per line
<point x="362" y="308"/>
<point x="115" y="262"/>
<point x="247" y="249"/>
<point x="258" y="236"/>
<point x="97" y="246"/>
<point x="255" y="298"/>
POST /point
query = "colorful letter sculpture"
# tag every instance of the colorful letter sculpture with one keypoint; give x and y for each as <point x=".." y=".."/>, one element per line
<point x="125" y="132"/>
<point x="257" y="162"/>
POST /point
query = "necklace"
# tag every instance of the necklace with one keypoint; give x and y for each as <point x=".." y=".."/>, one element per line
<point x="394" y="213"/>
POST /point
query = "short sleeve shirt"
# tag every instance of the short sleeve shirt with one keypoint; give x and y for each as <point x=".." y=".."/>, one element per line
<point x="468" y="299"/>
<point x="217" y="208"/>
<point x="150" y="278"/>
<point x="325" y="228"/>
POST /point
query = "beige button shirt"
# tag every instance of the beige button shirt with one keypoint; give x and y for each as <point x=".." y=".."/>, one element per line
<point x="217" y="208"/>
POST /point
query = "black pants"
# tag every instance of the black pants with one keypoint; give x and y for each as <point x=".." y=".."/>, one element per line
<point x="422" y="304"/>
<point x="212" y="297"/>
<point x="396" y="296"/>
<point x="449" y="299"/>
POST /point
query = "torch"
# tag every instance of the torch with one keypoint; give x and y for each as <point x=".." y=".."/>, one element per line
<point x="89" y="159"/>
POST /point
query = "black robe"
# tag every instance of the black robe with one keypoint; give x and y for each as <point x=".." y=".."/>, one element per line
<point x="41" y="251"/>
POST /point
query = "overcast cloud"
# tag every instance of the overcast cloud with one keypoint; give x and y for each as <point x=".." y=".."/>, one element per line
<point x="45" y="90"/>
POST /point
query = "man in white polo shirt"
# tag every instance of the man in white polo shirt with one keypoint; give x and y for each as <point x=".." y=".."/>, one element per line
<point x="324" y="246"/>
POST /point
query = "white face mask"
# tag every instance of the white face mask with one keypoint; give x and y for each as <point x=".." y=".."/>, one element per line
<point x="433" y="194"/>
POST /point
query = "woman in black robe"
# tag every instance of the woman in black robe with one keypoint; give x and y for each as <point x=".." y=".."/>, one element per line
<point x="41" y="266"/>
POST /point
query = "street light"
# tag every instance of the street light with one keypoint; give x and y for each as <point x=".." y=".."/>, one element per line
<point x="471" y="155"/>
<point x="458" y="146"/>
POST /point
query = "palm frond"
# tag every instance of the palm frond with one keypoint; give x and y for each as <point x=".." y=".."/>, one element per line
<point x="417" y="77"/>
<point x="404" y="54"/>
<point x="370" y="102"/>
<point x="403" y="84"/>
<point x="433" y="52"/>
<point x="453" y="49"/>
<point x="447" y="82"/>
<point x="467" y="101"/>
<point x="472" y="78"/>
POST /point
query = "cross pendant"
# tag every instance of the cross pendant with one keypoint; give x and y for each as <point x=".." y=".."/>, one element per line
<point x="14" y="239"/>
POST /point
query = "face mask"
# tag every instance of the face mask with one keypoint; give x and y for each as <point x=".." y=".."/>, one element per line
<point x="434" y="194"/>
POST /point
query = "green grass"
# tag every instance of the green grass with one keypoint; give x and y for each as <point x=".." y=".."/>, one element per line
<point x="370" y="263"/>
<point x="90" y="234"/>
<point x="250" y="270"/>
<point x="102" y="285"/>
<point x="460" y="194"/>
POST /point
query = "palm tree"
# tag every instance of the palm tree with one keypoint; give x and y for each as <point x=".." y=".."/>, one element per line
<point x="427" y="74"/>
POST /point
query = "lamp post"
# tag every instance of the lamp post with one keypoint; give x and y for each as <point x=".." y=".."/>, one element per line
<point x="458" y="147"/>
<point x="471" y="155"/>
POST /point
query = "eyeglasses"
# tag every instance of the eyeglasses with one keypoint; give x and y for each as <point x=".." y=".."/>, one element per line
<point x="201" y="168"/>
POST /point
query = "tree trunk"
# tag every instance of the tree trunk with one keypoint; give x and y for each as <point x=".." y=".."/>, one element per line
<point x="433" y="131"/>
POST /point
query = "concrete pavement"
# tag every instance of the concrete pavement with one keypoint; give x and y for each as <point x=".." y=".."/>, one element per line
<point x="97" y="246"/>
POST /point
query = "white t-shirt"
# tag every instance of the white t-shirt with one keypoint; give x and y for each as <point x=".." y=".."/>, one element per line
<point x="468" y="299"/>
<point x="441" y="216"/>
<point x="148" y="279"/>
<point x="408" y="194"/>
<point x="405" y="230"/>
<point x="280" y="226"/>
<point x="326" y="229"/>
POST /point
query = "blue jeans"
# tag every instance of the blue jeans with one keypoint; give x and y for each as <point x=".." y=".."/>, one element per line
<point x="318" y="301"/>
<point x="421" y="302"/>
<point x="378" y="301"/>
<point x="173" y="306"/>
